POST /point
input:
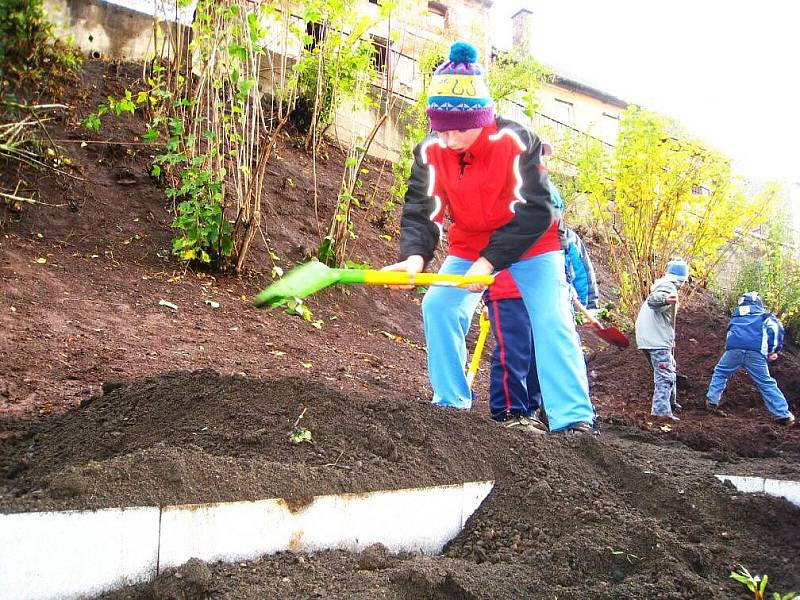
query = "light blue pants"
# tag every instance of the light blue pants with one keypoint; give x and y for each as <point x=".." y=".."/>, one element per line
<point x="755" y="364"/>
<point x="447" y="312"/>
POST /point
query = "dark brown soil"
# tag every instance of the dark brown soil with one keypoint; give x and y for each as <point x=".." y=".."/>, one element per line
<point x="633" y="513"/>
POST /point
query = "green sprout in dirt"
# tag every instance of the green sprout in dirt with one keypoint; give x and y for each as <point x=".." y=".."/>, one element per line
<point x="295" y="306"/>
<point x="628" y="556"/>
<point x="300" y="434"/>
<point x="758" y="585"/>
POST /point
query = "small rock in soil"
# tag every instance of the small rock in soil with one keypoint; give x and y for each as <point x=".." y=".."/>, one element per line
<point x="191" y="581"/>
<point x="374" y="558"/>
<point x="111" y="385"/>
<point x="68" y="486"/>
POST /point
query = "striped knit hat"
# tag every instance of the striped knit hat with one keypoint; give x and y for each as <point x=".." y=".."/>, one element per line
<point x="458" y="97"/>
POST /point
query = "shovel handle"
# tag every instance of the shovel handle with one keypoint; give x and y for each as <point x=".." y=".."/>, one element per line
<point x="582" y="309"/>
<point x="476" y="355"/>
<point x="403" y="278"/>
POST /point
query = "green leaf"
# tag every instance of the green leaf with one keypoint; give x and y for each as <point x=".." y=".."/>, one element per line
<point x="237" y="51"/>
<point x="92" y="123"/>
<point x="245" y="86"/>
<point x="300" y="435"/>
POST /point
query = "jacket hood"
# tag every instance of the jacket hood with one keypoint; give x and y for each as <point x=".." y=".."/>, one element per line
<point x="749" y="304"/>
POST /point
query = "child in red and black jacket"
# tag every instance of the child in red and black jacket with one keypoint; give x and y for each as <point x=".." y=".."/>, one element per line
<point x="486" y="172"/>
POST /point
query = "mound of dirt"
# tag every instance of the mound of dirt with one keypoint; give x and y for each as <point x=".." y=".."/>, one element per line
<point x="625" y="514"/>
<point x="201" y="437"/>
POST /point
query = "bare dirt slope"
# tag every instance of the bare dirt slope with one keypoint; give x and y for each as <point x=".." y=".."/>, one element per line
<point x="108" y="398"/>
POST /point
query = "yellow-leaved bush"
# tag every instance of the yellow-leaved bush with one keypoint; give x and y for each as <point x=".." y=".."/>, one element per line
<point x="661" y="194"/>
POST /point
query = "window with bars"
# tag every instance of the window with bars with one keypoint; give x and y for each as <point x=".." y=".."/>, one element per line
<point x="316" y="33"/>
<point x="609" y="128"/>
<point x="380" y="56"/>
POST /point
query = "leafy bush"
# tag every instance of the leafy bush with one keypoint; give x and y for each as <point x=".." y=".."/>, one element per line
<point x="205" y="233"/>
<point x="663" y="194"/>
<point x="27" y="41"/>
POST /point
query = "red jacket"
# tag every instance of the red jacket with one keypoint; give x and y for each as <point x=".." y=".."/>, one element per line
<point x="496" y="194"/>
<point x="503" y="287"/>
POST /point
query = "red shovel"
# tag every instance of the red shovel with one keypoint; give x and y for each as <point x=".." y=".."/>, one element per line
<point x="612" y="335"/>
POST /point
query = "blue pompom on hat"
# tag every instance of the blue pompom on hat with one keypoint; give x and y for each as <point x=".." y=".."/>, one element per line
<point x="678" y="270"/>
<point x="458" y="97"/>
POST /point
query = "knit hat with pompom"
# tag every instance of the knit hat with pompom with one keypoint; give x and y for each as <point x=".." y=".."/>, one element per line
<point x="458" y="97"/>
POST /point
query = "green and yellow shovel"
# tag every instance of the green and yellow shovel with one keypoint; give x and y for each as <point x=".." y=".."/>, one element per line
<point x="313" y="276"/>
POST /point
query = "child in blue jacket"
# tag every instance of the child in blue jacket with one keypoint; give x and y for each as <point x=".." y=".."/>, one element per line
<point x="754" y="337"/>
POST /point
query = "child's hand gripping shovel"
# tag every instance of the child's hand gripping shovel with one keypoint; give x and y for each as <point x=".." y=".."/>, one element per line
<point x="475" y="362"/>
<point x="313" y="276"/>
<point x="612" y="335"/>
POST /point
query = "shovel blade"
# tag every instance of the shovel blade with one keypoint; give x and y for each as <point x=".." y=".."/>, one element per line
<point x="613" y="336"/>
<point x="300" y="282"/>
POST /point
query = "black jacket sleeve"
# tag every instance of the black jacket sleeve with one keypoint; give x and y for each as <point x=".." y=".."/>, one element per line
<point x="533" y="217"/>
<point x="418" y="233"/>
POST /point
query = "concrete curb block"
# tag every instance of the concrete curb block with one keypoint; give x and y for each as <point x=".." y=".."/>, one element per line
<point x="789" y="490"/>
<point x="70" y="554"/>
<point x="62" y="555"/>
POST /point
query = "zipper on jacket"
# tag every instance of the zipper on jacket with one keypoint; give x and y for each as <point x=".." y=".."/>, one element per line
<point x="464" y="160"/>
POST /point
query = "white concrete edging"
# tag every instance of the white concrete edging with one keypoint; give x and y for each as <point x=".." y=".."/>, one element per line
<point x="74" y="553"/>
<point x="780" y="488"/>
<point x="64" y="555"/>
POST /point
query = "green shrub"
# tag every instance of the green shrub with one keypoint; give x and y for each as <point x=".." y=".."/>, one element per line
<point x="28" y="43"/>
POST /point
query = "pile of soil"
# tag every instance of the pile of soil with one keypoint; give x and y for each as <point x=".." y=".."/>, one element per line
<point x="203" y="437"/>
<point x="89" y="419"/>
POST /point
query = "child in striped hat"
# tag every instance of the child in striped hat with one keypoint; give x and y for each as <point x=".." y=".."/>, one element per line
<point x="486" y="173"/>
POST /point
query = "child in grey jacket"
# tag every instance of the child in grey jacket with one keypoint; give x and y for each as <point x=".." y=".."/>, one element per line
<point x="655" y="336"/>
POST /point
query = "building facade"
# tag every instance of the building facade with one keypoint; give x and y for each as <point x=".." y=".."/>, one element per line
<point x="123" y="29"/>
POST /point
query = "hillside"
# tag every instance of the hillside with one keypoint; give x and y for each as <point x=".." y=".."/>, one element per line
<point x="108" y="398"/>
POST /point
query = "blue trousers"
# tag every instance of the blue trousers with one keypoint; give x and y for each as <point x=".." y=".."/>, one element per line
<point x="514" y="384"/>
<point x="755" y="364"/>
<point x="663" y="362"/>
<point x="447" y="312"/>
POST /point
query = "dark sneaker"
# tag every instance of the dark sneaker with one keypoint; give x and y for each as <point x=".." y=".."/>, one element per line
<point x="786" y="421"/>
<point x="529" y="424"/>
<point x="540" y="415"/>
<point x="713" y="407"/>
<point x="581" y="428"/>
<point x="676" y="406"/>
